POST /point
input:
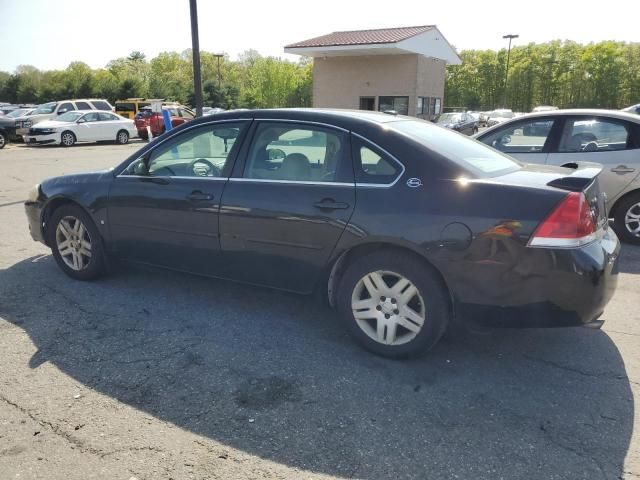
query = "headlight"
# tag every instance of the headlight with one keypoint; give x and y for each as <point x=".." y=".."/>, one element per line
<point x="34" y="194"/>
<point x="47" y="131"/>
<point x="26" y="124"/>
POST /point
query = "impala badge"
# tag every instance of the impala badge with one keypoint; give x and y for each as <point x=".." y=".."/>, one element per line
<point x="414" y="182"/>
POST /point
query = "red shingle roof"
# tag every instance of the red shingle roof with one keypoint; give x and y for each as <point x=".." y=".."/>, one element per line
<point x="362" y="37"/>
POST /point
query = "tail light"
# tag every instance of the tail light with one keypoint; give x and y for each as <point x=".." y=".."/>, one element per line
<point x="571" y="224"/>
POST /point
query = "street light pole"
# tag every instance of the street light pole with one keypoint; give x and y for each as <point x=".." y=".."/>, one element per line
<point x="195" y="47"/>
<point x="219" y="56"/>
<point x="506" y="73"/>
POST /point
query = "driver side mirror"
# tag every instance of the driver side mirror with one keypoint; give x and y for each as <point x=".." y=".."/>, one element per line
<point x="81" y="120"/>
<point x="63" y="110"/>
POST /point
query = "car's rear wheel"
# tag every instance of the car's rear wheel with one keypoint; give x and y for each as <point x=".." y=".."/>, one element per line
<point x="627" y="219"/>
<point x="393" y="304"/>
<point x="75" y="243"/>
<point x="3" y="139"/>
<point x="123" y="137"/>
<point x="68" y="139"/>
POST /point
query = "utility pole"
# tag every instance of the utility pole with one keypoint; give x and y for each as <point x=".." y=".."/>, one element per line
<point x="218" y="57"/>
<point x="506" y="73"/>
<point x="195" y="47"/>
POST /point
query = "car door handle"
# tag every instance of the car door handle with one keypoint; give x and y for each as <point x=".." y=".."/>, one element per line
<point x="331" y="204"/>
<point x="199" y="196"/>
<point x="623" y="169"/>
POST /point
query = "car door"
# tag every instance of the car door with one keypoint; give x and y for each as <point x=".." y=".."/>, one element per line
<point x="287" y="204"/>
<point x="612" y="142"/>
<point x="109" y="126"/>
<point x="163" y="208"/>
<point x="528" y="140"/>
<point x="87" y="128"/>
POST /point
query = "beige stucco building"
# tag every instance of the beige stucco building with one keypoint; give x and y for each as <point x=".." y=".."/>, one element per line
<point x="401" y="69"/>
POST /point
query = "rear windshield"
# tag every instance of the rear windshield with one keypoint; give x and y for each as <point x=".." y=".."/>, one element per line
<point x="471" y="155"/>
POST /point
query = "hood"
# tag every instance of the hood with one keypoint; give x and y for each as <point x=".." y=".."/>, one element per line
<point x="7" y="122"/>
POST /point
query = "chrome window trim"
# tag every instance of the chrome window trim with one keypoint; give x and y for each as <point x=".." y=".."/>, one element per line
<point x="381" y="185"/>
<point x="307" y="122"/>
<point x="295" y="182"/>
<point x="213" y="122"/>
<point x="174" y="176"/>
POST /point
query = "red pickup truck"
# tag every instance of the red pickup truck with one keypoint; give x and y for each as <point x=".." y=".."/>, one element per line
<point x="147" y="118"/>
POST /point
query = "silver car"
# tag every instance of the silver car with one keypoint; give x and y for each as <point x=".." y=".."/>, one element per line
<point x="568" y="137"/>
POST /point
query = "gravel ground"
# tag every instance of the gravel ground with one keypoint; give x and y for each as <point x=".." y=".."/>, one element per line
<point x="159" y="375"/>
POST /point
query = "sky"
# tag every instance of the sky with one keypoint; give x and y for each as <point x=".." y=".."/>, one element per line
<point x="50" y="34"/>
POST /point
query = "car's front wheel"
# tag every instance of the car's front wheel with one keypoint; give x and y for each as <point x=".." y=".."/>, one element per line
<point x="75" y="243"/>
<point x="68" y="139"/>
<point x="3" y="139"/>
<point x="627" y="219"/>
<point x="122" y="138"/>
<point x="393" y="303"/>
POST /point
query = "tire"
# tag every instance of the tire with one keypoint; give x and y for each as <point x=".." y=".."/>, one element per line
<point x="122" y="138"/>
<point x="3" y="139"/>
<point x="627" y="219"/>
<point x="381" y="316"/>
<point x="67" y="139"/>
<point x="62" y="229"/>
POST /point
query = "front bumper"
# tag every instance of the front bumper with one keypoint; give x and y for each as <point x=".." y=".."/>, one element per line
<point x="41" y="139"/>
<point x="34" y="218"/>
<point x="536" y="287"/>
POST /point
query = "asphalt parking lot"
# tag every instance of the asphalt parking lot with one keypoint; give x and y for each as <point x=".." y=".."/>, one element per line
<point x="159" y="375"/>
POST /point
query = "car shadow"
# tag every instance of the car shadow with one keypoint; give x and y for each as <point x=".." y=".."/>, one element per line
<point x="276" y="376"/>
<point x="630" y="258"/>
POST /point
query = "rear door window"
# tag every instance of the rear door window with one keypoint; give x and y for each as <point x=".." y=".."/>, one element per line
<point x="595" y="134"/>
<point x="100" y="105"/>
<point x="372" y="165"/>
<point x="298" y="153"/>
<point x="83" y="106"/>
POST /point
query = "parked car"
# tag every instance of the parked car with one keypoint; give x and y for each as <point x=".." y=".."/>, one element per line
<point x="8" y="124"/>
<point x="49" y="111"/>
<point x="129" y="107"/>
<point x="402" y="223"/>
<point x="498" y="116"/>
<point x="212" y="110"/>
<point x="569" y="137"/>
<point x="148" y="118"/>
<point x="460" y="122"/>
<point x="633" y="109"/>
<point x="82" y="126"/>
<point x="544" y="108"/>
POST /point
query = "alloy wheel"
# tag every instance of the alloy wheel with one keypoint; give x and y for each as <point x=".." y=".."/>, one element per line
<point x="123" y="137"/>
<point x="388" y="307"/>
<point x="73" y="243"/>
<point x="2" y="140"/>
<point x="632" y="220"/>
<point x="67" y="139"/>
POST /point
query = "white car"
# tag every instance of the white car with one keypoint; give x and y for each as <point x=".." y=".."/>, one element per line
<point x="571" y="137"/>
<point x="82" y="126"/>
<point x="498" y="116"/>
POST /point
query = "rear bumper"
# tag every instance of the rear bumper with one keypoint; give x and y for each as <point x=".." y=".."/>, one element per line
<point x="536" y="287"/>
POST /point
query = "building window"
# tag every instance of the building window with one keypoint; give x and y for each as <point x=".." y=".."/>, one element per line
<point x="367" y="103"/>
<point x="422" y="106"/>
<point x="398" y="104"/>
<point x="437" y="108"/>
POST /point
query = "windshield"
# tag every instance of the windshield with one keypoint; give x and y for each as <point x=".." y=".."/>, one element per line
<point x="45" y="108"/>
<point x="449" y="118"/>
<point x="17" y="113"/>
<point x="70" y="116"/>
<point x="469" y="154"/>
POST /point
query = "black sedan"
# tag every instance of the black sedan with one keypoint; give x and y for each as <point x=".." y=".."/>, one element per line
<point x="459" y="121"/>
<point x="404" y="225"/>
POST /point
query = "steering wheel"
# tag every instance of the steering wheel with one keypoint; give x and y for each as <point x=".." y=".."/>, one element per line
<point x="590" y="147"/>
<point x="211" y="169"/>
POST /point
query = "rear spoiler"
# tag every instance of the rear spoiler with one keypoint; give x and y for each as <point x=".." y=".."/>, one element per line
<point x="584" y="174"/>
